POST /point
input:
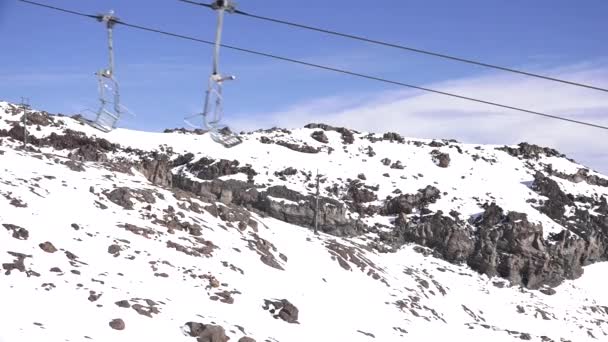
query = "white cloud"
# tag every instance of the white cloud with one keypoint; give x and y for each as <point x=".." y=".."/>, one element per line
<point x="425" y="115"/>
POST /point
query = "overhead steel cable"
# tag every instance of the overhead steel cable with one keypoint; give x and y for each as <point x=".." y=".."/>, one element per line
<point x="337" y="70"/>
<point x="62" y="9"/>
<point x="407" y="48"/>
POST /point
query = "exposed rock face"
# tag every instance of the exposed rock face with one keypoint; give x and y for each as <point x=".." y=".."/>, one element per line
<point x="582" y="175"/>
<point x="451" y="240"/>
<point x="300" y="210"/>
<point x="505" y="245"/>
<point x="157" y="169"/>
<point x="554" y="207"/>
<point x="295" y="207"/>
<point x="407" y="203"/>
<point x="209" y="169"/>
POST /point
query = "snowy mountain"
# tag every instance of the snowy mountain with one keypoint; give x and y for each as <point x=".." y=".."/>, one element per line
<point x="139" y="236"/>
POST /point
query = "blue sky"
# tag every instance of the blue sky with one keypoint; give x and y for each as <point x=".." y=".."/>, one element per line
<point x="51" y="57"/>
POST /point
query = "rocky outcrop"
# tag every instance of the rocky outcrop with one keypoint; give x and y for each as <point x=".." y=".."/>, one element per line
<point x="582" y="175"/>
<point x="210" y="169"/>
<point x="392" y="136"/>
<point x="407" y="203"/>
<point x="157" y="169"/>
<point x="506" y="245"/>
<point x="347" y="135"/>
<point x="530" y="151"/>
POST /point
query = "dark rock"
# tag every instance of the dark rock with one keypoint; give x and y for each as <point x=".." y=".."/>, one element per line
<point x="397" y="165"/>
<point x="441" y="159"/>
<point x="407" y="203"/>
<point x="210" y="169"/>
<point x="122" y="196"/>
<point x="18" y="264"/>
<point x="347" y="135"/>
<point x="548" y="291"/>
<point x="391" y="136"/>
<point x="117" y="324"/>
<point x="246" y="339"/>
<point x="320" y="137"/>
<point x="529" y="151"/>
<point x="286" y="310"/>
<point x="582" y="175"/>
<point x="123" y="304"/>
<point x="555" y="206"/>
<point x="182" y="160"/>
<point x="114" y="250"/>
<point x="196" y="131"/>
<point x="298" y="148"/>
<point x="207" y="332"/>
<point x="290" y="171"/>
<point x="47" y="247"/>
<point x="19" y="233"/>
<point x="157" y="168"/>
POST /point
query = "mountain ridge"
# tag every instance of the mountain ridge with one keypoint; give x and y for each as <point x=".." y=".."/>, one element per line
<point x="523" y="213"/>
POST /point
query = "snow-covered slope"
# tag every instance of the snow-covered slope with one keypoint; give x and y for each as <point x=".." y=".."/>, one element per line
<point x="92" y="232"/>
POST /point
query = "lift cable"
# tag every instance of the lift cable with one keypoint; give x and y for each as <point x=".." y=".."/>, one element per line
<point x="337" y="70"/>
<point x="407" y="48"/>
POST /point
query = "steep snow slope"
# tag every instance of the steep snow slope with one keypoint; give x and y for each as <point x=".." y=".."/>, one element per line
<point x="114" y="237"/>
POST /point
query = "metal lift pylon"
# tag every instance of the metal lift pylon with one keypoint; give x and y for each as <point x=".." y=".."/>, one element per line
<point x="110" y="109"/>
<point x="213" y="108"/>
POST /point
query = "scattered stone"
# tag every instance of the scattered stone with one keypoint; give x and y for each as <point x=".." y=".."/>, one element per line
<point x="123" y="304"/>
<point x="47" y="247"/>
<point x="246" y="339"/>
<point x="114" y="250"/>
<point x="441" y="159"/>
<point x="117" y="324"/>
<point x="282" y="309"/>
<point x="207" y="332"/>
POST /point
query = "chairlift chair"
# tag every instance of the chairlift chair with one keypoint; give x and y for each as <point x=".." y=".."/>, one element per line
<point x="110" y="109"/>
<point x="213" y="107"/>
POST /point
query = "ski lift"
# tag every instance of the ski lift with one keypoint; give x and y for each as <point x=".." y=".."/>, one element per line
<point x="110" y="109"/>
<point x="213" y="108"/>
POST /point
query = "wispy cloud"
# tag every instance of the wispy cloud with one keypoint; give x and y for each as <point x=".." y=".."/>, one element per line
<point x="419" y="114"/>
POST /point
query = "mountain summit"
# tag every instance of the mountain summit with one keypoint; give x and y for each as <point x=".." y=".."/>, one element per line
<point x="140" y="236"/>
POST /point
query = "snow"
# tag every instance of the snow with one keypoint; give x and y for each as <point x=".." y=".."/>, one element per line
<point x="334" y="303"/>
